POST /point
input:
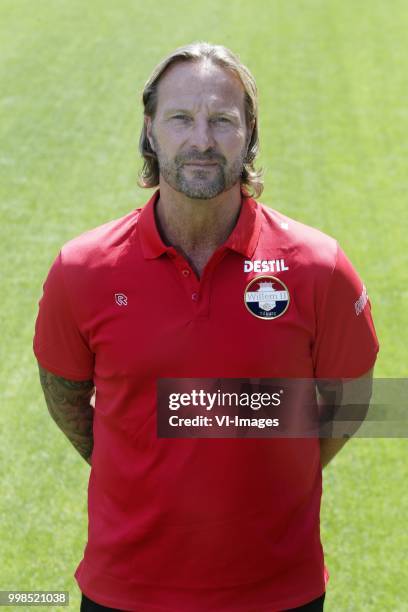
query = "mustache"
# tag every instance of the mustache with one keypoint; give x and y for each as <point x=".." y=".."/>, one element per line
<point x="194" y="157"/>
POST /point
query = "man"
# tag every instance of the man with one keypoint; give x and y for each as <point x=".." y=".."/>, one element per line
<point x="198" y="524"/>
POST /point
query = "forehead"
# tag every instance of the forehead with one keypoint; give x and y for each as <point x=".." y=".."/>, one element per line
<point x="188" y="84"/>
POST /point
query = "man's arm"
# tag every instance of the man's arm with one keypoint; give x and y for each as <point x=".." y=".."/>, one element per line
<point x="329" y="447"/>
<point x="352" y="396"/>
<point x="69" y="404"/>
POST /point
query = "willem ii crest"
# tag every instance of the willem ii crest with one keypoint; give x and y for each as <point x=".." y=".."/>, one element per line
<point x="266" y="297"/>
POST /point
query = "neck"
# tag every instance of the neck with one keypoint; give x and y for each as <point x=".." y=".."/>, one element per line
<point x="196" y="227"/>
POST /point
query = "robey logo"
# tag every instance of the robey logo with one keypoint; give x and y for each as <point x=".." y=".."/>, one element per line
<point x="121" y="299"/>
<point x="265" y="265"/>
<point x="361" y="302"/>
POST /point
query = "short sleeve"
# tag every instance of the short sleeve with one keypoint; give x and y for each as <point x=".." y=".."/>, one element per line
<point x="58" y="344"/>
<point x="346" y="343"/>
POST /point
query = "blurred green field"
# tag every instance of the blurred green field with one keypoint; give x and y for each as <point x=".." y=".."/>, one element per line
<point x="332" y="79"/>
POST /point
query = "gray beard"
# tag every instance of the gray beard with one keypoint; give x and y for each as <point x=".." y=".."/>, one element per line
<point x="200" y="186"/>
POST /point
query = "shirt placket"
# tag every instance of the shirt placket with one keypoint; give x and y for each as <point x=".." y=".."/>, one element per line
<point x="197" y="289"/>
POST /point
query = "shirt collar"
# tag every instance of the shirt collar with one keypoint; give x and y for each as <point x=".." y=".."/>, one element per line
<point x="243" y="238"/>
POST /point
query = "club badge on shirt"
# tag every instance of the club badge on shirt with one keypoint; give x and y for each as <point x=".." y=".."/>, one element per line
<point x="266" y="297"/>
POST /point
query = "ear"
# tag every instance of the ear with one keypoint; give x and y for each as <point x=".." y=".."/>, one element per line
<point x="149" y="129"/>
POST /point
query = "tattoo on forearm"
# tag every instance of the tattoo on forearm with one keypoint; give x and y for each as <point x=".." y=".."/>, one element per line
<point x="69" y="403"/>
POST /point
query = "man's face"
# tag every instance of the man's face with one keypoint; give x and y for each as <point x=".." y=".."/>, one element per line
<point x="199" y="133"/>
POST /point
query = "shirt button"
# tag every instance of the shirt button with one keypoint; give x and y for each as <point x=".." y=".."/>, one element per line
<point x="185" y="272"/>
<point x="194" y="296"/>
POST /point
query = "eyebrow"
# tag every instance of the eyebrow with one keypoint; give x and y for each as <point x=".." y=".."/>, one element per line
<point x="173" y="111"/>
<point x="227" y="113"/>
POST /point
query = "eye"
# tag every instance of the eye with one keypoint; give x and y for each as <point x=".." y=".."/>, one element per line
<point x="222" y="120"/>
<point x="181" y="117"/>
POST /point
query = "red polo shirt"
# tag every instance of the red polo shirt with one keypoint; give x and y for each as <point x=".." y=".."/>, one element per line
<point x="187" y="525"/>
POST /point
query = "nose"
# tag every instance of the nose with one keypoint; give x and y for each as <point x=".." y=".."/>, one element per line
<point x="201" y="136"/>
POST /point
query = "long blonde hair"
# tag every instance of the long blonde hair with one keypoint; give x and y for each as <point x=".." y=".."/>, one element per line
<point x="251" y="178"/>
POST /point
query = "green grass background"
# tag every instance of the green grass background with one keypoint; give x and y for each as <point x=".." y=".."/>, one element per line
<point x="332" y="79"/>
